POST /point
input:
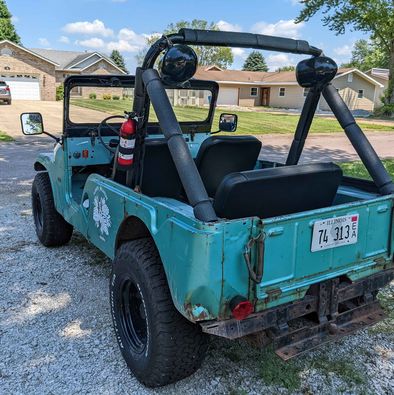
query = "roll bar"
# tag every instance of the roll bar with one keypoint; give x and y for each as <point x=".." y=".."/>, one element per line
<point x="228" y="39"/>
<point x="246" y="40"/>
<point x="149" y="87"/>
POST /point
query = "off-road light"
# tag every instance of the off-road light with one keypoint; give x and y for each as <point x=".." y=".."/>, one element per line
<point x="240" y="307"/>
<point x="178" y="64"/>
<point x="316" y="72"/>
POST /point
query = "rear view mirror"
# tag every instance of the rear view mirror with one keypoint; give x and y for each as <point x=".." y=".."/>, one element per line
<point x="32" y="123"/>
<point x="228" y="122"/>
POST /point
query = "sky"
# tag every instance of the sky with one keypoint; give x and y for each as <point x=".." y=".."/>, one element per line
<point x="104" y="25"/>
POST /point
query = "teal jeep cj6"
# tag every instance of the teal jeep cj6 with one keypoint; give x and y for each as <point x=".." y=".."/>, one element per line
<point x="206" y="237"/>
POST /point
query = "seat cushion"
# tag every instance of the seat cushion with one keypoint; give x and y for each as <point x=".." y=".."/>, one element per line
<point x="219" y="156"/>
<point x="277" y="191"/>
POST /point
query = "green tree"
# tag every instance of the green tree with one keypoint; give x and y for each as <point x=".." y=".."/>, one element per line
<point x="7" y="29"/>
<point x="220" y="56"/>
<point x="366" y="55"/>
<point x="255" y="62"/>
<point x="118" y="59"/>
<point x="285" y="68"/>
<point x="373" y="16"/>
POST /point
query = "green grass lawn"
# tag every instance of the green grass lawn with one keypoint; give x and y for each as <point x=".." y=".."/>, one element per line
<point x="5" y="137"/>
<point x="248" y="122"/>
<point x="357" y="169"/>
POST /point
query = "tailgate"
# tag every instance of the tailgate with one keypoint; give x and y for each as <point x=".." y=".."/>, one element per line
<point x="290" y="266"/>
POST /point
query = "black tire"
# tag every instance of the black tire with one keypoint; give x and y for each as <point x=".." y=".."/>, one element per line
<point x="9" y="102"/>
<point x="51" y="228"/>
<point x="159" y="345"/>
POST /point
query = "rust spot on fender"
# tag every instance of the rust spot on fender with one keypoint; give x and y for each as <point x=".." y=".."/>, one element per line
<point x="196" y="312"/>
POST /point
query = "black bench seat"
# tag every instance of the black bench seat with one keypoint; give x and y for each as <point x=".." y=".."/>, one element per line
<point x="277" y="191"/>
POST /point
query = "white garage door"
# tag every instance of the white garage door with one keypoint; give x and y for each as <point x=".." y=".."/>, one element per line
<point x="228" y="97"/>
<point x="23" y="87"/>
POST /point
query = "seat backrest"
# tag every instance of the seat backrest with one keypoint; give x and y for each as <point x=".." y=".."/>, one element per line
<point x="219" y="156"/>
<point x="160" y="176"/>
<point x="277" y="191"/>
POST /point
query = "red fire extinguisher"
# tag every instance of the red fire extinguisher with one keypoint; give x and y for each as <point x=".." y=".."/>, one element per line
<point x="127" y="142"/>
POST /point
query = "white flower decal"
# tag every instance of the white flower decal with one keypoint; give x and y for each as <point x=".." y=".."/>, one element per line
<point x="101" y="215"/>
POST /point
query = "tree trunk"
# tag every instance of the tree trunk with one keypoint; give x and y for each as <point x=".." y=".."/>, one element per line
<point x="390" y="88"/>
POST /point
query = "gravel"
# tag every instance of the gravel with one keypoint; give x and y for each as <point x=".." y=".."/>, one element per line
<point x="56" y="333"/>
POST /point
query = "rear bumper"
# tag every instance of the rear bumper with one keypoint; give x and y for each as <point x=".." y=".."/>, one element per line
<point x="330" y="310"/>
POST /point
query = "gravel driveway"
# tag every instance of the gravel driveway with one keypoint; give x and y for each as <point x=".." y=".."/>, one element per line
<point x="56" y="334"/>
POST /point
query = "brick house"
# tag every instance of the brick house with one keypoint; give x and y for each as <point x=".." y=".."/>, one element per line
<point x="34" y="74"/>
<point x="280" y="89"/>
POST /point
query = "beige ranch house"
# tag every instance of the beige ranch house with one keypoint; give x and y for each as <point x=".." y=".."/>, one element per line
<point x="34" y="74"/>
<point x="361" y="91"/>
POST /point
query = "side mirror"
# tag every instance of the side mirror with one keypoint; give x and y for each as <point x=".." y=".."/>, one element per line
<point x="228" y="122"/>
<point x="32" y="123"/>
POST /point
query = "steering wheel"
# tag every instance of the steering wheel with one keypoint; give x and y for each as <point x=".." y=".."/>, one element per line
<point x="104" y="123"/>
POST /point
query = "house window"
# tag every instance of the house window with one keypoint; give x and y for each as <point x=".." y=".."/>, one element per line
<point x="254" y="91"/>
<point x="350" y="77"/>
<point x="282" y="92"/>
<point x="306" y="91"/>
<point x="360" y="93"/>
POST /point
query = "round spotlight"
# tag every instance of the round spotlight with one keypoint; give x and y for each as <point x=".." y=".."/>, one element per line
<point x="316" y="71"/>
<point x="178" y="64"/>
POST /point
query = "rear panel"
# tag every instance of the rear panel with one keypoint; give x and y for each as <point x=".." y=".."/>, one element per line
<point x="290" y="266"/>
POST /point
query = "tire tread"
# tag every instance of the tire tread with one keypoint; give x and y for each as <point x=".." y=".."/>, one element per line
<point x="182" y="343"/>
<point x="56" y="231"/>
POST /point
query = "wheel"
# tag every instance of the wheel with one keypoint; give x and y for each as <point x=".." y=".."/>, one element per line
<point x="9" y="102"/>
<point x="51" y="228"/>
<point x="159" y="345"/>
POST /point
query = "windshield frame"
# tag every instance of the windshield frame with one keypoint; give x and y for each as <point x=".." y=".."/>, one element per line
<point x="72" y="129"/>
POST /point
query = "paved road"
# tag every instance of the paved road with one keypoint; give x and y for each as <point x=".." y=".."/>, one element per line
<point x="325" y="147"/>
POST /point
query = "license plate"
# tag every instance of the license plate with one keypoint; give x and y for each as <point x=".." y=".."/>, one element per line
<point x="334" y="232"/>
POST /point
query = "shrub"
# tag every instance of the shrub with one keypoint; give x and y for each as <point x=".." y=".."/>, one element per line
<point x="60" y="92"/>
<point x="92" y="96"/>
<point x="115" y="97"/>
<point x="387" y="110"/>
<point x="106" y="96"/>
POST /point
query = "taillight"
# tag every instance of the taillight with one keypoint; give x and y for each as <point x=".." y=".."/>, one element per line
<point x="240" y="307"/>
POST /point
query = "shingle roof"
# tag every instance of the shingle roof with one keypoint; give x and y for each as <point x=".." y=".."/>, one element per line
<point x="379" y="73"/>
<point x="62" y="58"/>
<point x="67" y="59"/>
<point x="78" y="59"/>
<point x="207" y="73"/>
<point x="215" y="74"/>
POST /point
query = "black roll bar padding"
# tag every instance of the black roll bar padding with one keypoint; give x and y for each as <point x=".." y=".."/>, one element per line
<point x="184" y="163"/>
<point x="247" y="40"/>
<point x="303" y="126"/>
<point x="359" y="141"/>
<point x="139" y="93"/>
